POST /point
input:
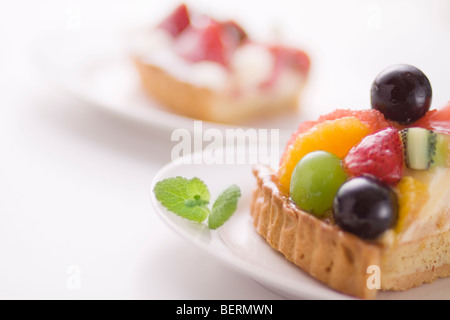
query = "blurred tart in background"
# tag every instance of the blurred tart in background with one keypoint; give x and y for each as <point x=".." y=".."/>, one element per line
<point x="211" y="70"/>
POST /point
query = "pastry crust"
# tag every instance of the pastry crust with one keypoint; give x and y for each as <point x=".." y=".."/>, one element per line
<point x="176" y="95"/>
<point x="332" y="256"/>
<point x="207" y="104"/>
<point x="340" y="259"/>
<point x="411" y="264"/>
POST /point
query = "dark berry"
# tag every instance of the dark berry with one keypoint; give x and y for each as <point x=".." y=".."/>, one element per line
<point x="365" y="207"/>
<point x="402" y="93"/>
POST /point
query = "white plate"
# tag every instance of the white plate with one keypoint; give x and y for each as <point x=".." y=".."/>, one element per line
<point x="95" y="67"/>
<point x="238" y="244"/>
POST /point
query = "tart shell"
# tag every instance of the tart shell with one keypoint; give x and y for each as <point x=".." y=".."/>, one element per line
<point x="207" y="104"/>
<point x="337" y="258"/>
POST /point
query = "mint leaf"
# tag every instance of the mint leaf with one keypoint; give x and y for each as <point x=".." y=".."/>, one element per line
<point x="197" y="201"/>
<point x="224" y="207"/>
<point x="186" y="198"/>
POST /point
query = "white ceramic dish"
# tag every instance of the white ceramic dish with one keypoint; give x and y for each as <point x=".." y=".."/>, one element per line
<point x="96" y="68"/>
<point x="238" y="244"/>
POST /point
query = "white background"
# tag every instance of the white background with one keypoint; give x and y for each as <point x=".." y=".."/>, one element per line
<point x="75" y="181"/>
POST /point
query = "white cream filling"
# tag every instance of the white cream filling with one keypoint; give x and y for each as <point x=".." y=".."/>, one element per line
<point x="156" y="47"/>
<point x="434" y="217"/>
<point x="251" y="65"/>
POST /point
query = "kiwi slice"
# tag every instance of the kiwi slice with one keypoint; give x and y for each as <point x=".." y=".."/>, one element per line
<point x="424" y="148"/>
<point x="441" y="154"/>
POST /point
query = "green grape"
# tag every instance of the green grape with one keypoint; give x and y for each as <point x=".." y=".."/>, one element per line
<point x="315" y="181"/>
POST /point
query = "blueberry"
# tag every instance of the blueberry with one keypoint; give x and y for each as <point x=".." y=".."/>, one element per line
<point x="402" y="93"/>
<point x="365" y="207"/>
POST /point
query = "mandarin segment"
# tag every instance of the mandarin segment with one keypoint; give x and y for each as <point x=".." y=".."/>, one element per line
<point x="412" y="195"/>
<point x="336" y="137"/>
<point x="371" y="118"/>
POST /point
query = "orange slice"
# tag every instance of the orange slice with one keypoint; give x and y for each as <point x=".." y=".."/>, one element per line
<point x="412" y="195"/>
<point x="336" y="136"/>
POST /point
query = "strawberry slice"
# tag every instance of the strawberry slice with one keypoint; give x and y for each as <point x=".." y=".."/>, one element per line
<point x="236" y="32"/>
<point x="292" y="57"/>
<point x="379" y="155"/>
<point x="209" y="43"/>
<point x="286" y="57"/>
<point x="177" y="21"/>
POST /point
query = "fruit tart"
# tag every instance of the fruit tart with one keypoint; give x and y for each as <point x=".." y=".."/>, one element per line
<point x="360" y="199"/>
<point x="211" y="70"/>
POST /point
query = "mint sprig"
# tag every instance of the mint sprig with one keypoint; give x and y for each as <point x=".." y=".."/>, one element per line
<point x="190" y="198"/>
<point x="224" y="207"/>
<point x="186" y="198"/>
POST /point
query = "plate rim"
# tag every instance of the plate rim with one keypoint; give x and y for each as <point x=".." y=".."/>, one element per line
<point x="48" y="71"/>
<point x="258" y="273"/>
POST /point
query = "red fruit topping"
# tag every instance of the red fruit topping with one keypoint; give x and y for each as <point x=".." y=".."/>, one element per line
<point x="436" y="120"/>
<point x="236" y="32"/>
<point x="292" y="57"/>
<point x="379" y="155"/>
<point x="209" y="43"/>
<point x="177" y="21"/>
<point x="371" y="118"/>
<point x="424" y="122"/>
<point x="374" y="119"/>
<point x="287" y="57"/>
